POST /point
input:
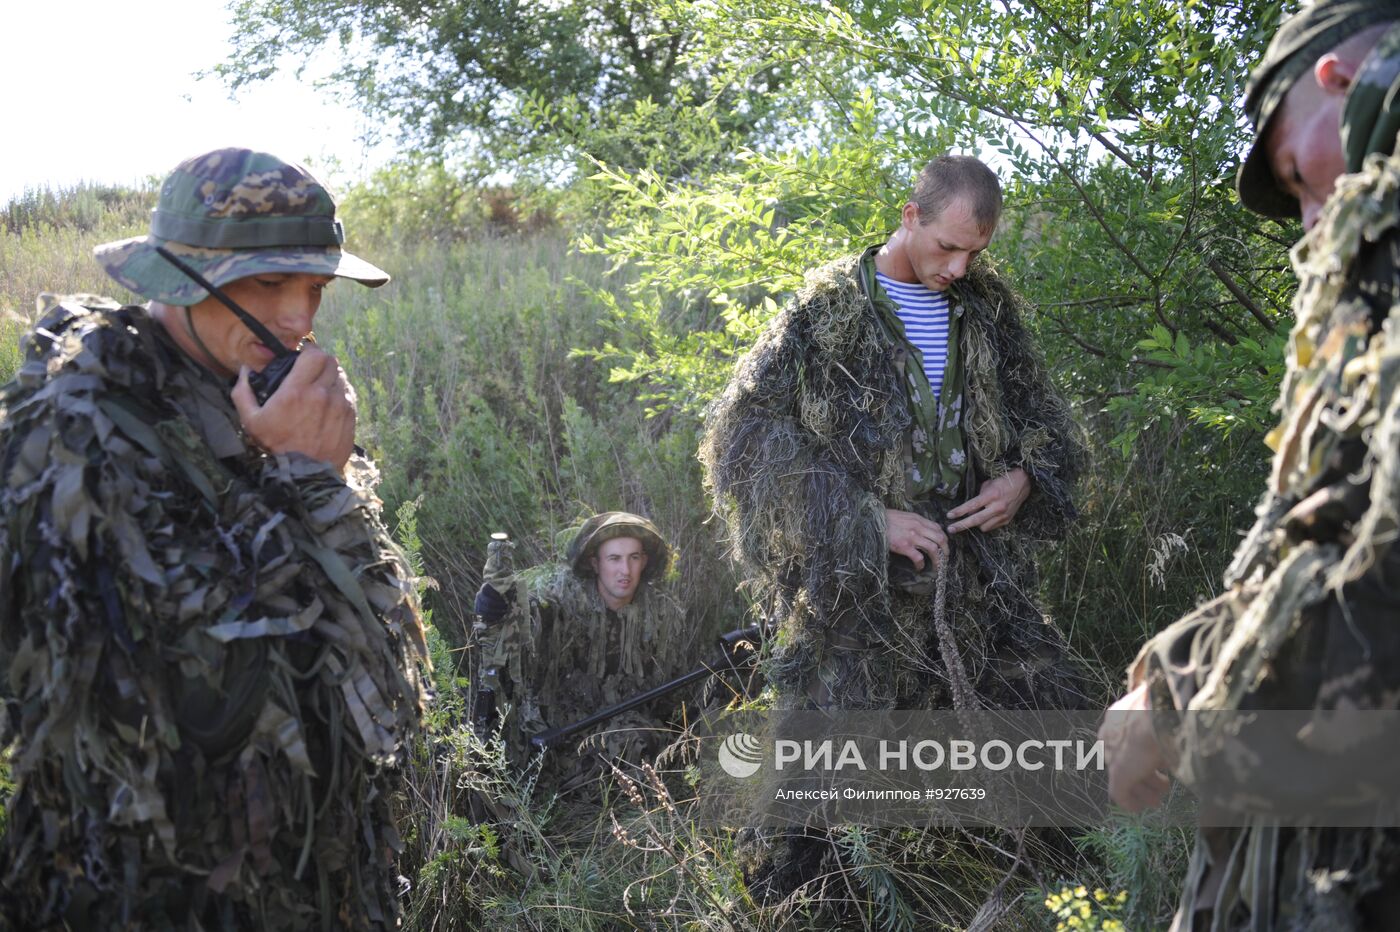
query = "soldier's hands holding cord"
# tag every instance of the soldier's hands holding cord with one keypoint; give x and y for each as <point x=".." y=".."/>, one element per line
<point x="312" y="412"/>
<point x="914" y="536"/>
<point x="995" y="504"/>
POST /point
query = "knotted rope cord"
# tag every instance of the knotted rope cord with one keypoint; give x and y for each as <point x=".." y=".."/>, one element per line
<point x="964" y="698"/>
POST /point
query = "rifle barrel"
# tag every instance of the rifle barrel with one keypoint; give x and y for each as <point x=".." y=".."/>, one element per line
<point x="547" y="739"/>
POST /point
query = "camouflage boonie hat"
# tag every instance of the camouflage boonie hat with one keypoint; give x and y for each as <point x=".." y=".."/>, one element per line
<point x="232" y="213"/>
<point x="1300" y="41"/>
<point x="613" y="524"/>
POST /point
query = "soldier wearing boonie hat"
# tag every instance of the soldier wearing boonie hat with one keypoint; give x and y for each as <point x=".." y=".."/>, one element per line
<point x="1308" y="615"/>
<point x="611" y="525"/>
<point x="192" y="580"/>
<point x="231" y="214"/>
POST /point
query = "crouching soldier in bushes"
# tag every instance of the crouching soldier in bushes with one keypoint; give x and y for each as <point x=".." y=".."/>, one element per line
<point x="563" y="640"/>
<point x="210" y="646"/>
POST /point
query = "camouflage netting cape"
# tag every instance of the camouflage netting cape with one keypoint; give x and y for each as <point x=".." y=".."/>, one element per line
<point x="210" y="655"/>
<point x="808" y="446"/>
<point x="568" y="655"/>
<point x="1309" y="620"/>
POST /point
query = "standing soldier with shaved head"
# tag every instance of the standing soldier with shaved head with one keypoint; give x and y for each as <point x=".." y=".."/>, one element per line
<point x="1309" y="621"/>
<point x="210" y="647"/>
<point x="893" y="444"/>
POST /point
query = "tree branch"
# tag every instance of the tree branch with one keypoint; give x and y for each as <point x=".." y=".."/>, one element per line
<point x="1081" y="343"/>
<point x="1215" y="328"/>
<point x="1124" y="300"/>
<point x="1087" y="201"/>
<point x="1243" y="298"/>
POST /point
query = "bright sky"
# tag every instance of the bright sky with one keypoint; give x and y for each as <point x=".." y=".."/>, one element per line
<point x="104" y="90"/>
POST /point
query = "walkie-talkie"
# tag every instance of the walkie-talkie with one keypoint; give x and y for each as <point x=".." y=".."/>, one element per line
<point x="263" y="383"/>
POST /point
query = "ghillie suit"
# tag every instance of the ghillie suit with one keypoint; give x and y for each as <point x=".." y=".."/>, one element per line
<point x="210" y="654"/>
<point x="822" y="427"/>
<point x="1309" y="621"/>
<point x="559" y="653"/>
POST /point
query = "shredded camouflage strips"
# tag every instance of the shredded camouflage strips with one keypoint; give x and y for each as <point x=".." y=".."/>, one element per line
<point x="1308" y="618"/>
<point x="811" y="442"/>
<point x="211" y="657"/>
<point x="568" y="655"/>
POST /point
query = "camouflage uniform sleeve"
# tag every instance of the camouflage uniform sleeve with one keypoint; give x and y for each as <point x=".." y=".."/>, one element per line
<point x="1308" y="623"/>
<point x="163" y="617"/>
<point x="1342" y="654"/>
<point x="1046" y="442"/>
<point x="799" y="513"/>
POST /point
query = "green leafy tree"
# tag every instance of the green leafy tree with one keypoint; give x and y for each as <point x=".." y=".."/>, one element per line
<point x="511" y="83"/>
<point x="1116" y="127"/>
<point x="1160" y="303"/>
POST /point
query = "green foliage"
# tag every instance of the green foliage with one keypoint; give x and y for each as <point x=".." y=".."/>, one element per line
<point x="1155" y="532"/>
<point x="1120" y="216"/>
<point x="459" y="75"/>
<point x="1145" y="860"/>
<point x="419" y="199"/>
<point x="1221" y="386"/>
<point x="46" y="245"/>
<point x="12" y="327"/>
<point x="711" y="255"/>
<point x="82" y="207"/>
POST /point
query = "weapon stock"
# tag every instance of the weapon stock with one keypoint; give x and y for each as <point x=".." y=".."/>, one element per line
<point x="485" y="680"/>
<point x="734" y="654"/>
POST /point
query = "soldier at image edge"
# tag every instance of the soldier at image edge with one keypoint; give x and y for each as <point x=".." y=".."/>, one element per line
<point x="1308" y="621"/>
<point x="211" y="651"/>
<point x="563" y="640"/>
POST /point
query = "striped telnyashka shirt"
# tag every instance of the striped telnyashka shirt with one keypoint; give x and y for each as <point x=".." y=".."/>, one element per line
<point x="924" y="314"/>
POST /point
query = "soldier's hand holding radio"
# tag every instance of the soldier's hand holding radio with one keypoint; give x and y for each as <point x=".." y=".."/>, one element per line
<point x="312" y="412"/>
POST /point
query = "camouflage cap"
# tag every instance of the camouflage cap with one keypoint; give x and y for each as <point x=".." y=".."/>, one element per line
<point x="1300" y="41"/>
<point x="232" y="213"/>
<point x="613" y="524"/>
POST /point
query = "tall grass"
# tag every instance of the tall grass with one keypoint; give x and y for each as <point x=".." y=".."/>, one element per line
<point x="470" y="398"/>
<point x="477" y="410"/>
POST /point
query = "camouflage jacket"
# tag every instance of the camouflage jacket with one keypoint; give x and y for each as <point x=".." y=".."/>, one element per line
<point x="811" y="442"/>
<point x="568" y="655"/>
<point x="211" y="655"/>
<point x="1308" y="621"/>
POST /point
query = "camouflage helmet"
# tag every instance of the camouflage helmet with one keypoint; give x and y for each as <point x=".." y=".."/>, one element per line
<point x="613" y="524"/>
<point x="232" y="213"/>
